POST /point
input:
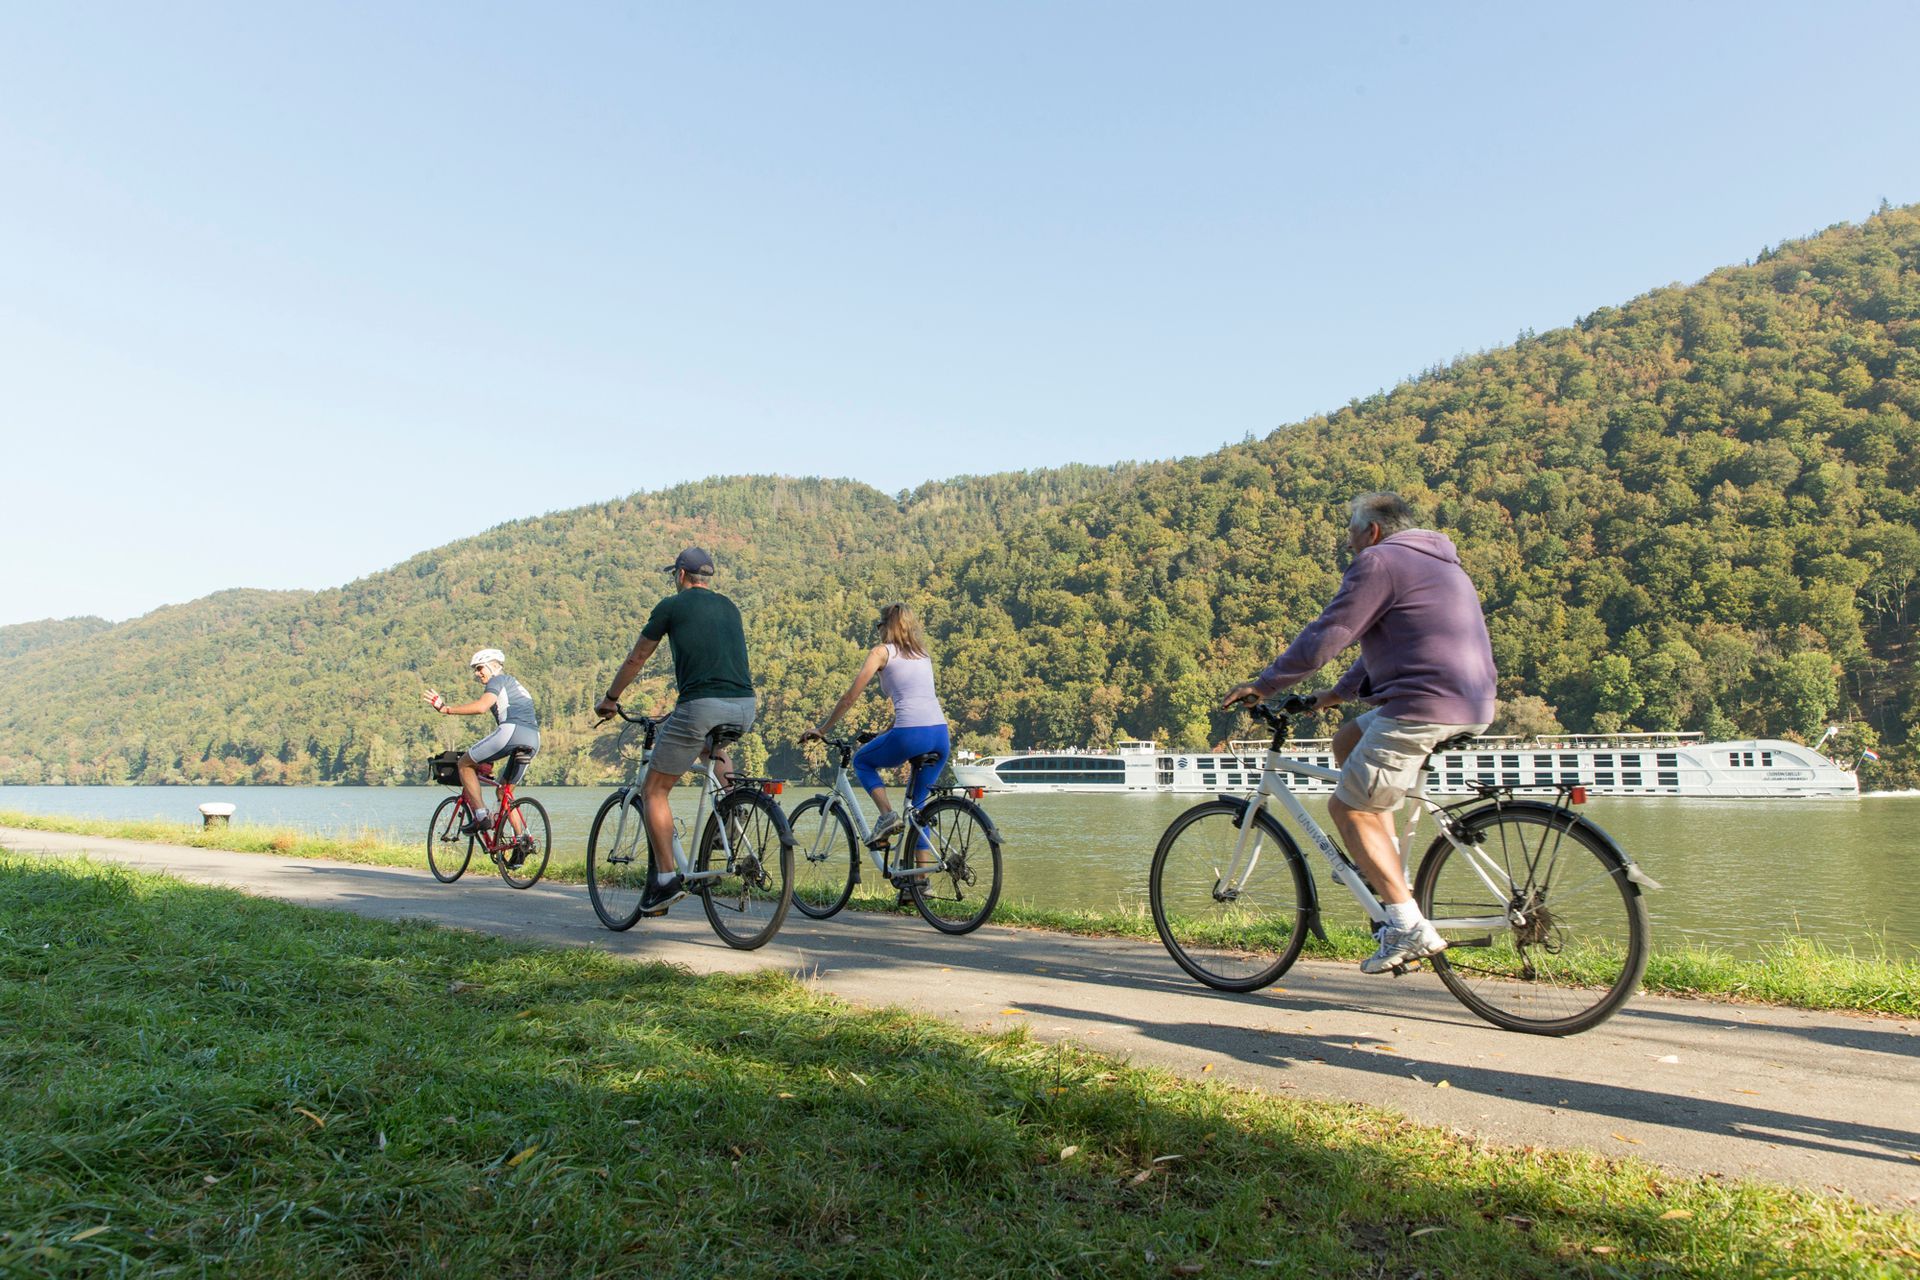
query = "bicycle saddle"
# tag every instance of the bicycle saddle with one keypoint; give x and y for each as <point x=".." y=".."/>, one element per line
<point x="721" y="734"/>
<point x="516" y="765"/>
<point x="1454" y="743"/>
<point x="924" y="759"/>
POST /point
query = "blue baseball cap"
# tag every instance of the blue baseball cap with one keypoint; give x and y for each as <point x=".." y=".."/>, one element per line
<point x="692" y="560"/>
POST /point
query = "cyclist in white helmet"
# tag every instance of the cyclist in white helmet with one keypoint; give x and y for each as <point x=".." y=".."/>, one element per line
<point x="515" y="724"/>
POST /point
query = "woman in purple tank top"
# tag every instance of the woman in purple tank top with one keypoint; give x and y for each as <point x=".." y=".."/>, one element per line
<point x="919" y="722"/>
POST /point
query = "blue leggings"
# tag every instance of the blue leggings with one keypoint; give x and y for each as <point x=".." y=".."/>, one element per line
<point x="894" y="747"/>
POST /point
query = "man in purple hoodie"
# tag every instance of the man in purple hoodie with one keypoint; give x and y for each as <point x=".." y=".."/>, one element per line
<point x="1425" y="665"/>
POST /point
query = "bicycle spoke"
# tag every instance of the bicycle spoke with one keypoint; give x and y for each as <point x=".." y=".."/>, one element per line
<point x="1569" y="953"/>
<point x="1237" y="937"/>
<point x="960" y="892"/>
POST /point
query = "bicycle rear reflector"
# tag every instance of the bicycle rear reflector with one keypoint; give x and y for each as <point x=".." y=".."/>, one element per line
<point x="775" y="788"/>
<point x="1578" y="795"/>
<point x="974" y="793"/>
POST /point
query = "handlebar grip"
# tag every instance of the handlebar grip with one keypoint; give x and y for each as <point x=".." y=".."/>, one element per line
<point x="1298" y="706"/>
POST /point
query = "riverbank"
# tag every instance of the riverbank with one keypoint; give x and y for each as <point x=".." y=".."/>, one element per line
<point x="1796" y="972"/>
<point x="360" y="1097"/>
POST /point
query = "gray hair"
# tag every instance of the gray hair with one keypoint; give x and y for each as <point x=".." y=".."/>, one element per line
<point x="1388" y="510"/>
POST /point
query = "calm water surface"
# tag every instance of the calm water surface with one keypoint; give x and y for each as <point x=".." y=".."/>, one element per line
<point x="1738" y="873"/>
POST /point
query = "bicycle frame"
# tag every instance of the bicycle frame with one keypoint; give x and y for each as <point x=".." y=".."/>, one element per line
<point x="1273" y="783"/>
<point x="489" y="836"/>
<point x="843" y="792"/>
<point x="632" y="808"/>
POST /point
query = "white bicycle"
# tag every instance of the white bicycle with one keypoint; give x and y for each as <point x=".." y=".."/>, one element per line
<point x="1546" y="930"/>
<point x="955" y="893"/>
<point x="742" y="869"/>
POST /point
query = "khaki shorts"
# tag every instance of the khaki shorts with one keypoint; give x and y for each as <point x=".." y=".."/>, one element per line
<point x="683" y="735"/>
<point x="1385" y="764"/>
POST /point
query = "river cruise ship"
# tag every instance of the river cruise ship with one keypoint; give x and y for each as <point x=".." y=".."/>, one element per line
<point x="1631" y="764"/>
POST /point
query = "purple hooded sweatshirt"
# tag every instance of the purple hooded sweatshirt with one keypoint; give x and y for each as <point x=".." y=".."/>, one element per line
<point x="1424" y="652"/>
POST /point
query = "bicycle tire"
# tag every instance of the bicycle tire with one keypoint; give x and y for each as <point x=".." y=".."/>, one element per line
<point x="1528" y="978"/>
<point x="746" y="905"/>
<point x="443" y="836"/>
<point x="528" y="873"/>
<point x="1230" y="944"/>
<point x="820" y="889"/>
<point x="619" y="861"/>
<point x="960" y="832"/>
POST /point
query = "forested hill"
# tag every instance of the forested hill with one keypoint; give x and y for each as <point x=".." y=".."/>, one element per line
<point x="21" y="637"/>
<point x="1696" y="510"/>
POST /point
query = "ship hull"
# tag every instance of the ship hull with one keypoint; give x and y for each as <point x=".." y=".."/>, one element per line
<point x="1750" y="769"/>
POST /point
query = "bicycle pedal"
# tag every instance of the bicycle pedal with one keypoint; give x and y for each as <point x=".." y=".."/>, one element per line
<point x="1400" y="970"/>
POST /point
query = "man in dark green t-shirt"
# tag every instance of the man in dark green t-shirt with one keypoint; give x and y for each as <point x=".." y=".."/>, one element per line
<point x="710" y="668"/>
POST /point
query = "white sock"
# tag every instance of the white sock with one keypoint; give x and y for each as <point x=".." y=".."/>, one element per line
<point x="662" y="878"/>
<point x="1403" y="915"/>
<point x="480" y="816"/>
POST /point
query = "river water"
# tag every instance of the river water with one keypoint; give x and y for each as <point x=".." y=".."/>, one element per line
<point x="1737" y="873"/>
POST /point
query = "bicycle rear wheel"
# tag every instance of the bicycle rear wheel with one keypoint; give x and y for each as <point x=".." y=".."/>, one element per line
<point x="1579" y="946"/>
<point x="448" y="851"/>
<point x="619" y="860"/>
<point x="1232" y="938"/>
<point x="962" y="893"/>
<point x="747" y="903"/>
<point x="532" y="846"/>
<point x="826" y="859"/>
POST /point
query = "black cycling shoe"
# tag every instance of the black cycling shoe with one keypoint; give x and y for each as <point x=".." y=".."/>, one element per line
<point x="517" y="855"/>
<point x="474" y="826"/>
<point x="657" y="897"/>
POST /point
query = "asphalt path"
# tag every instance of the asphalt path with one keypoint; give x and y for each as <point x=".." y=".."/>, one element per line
<point x="1819" y="1100"/>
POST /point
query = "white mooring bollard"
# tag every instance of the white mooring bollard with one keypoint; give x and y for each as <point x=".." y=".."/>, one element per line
<point x="215" y="815"/>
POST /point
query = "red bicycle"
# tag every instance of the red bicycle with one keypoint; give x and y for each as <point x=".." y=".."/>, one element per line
<point x="518" y="838"/>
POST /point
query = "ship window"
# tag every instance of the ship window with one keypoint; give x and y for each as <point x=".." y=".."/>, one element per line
<point x="1164" y="763"/>
<point x="1668" y="760"/>
<point x="1509" y="762"/>
<point x="1766" y="759"/>
<point x="1569" y="762"/>
<point x="1063" y="769"/>
<point x="1233" y="779"/>
<point x="1455" y="780"/>
<point x="1542" y="762"/>
<point x="1603" y="779"/>
<point x="1207" y="779"/>
<point x="1669" y="779"/>
<point x="1604" y="761"/>
<point x="1510" y="779"/>
<point x="1630" y="779"/>
<point x="1165" y="777"/>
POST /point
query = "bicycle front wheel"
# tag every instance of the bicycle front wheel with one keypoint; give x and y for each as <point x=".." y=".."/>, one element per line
<point x="619" y="860"/>
<point x="448" y="851"/>
<point x="1234" y="933"/>
<point x="1571" y="942"/>
<point x="532" y="838"/>
<point x="826" y="857"/>
<point x="962" y="892"/>
<point x="748" y="900"/>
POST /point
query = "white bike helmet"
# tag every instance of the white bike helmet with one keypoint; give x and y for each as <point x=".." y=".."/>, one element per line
<point x="487" y="655"/>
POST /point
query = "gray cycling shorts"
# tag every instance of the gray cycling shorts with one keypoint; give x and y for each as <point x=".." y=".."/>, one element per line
<point x="683" y="735"/>
<point x="1386" y="761"/>
<point x="503" y="741"/>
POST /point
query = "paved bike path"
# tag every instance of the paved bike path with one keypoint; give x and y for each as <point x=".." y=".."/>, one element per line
<point x="1820" y="1100"/>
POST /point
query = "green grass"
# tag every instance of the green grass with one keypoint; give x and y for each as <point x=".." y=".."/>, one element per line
<point x="196" y="1081"/>
<point x="364" y="848"/>
<point x="1796" y="971"/>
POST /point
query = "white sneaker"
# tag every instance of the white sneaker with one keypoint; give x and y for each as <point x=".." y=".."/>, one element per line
<point x="1399" y="946"/>
<point x="884" y="829"/>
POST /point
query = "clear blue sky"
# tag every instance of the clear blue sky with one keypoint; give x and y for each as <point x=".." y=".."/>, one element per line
<point x="288" y="293"/>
